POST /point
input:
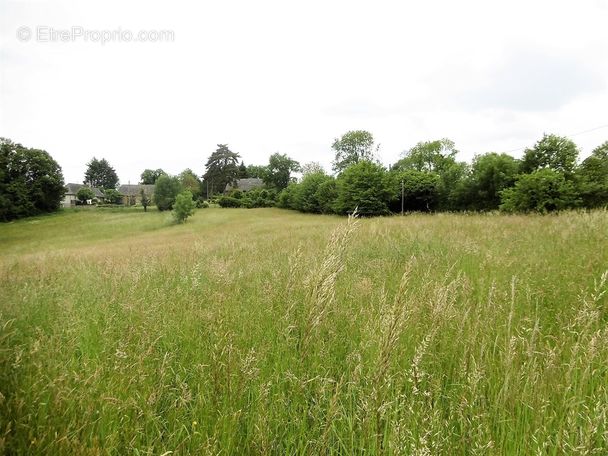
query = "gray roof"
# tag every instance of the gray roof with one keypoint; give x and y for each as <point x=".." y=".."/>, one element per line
<point x="246" y="184"/>
<point x="72" y="189"/>
<point x="135" y="189"/>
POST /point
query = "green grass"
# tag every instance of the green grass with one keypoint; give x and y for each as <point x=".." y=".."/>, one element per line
<point x="272" y="332"/>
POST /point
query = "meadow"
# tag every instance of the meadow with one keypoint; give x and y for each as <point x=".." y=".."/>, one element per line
<point x="267" y="331"/>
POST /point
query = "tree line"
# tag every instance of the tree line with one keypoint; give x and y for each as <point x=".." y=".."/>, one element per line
<point x="428" y="177"/>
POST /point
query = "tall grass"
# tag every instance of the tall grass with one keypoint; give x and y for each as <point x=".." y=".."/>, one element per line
<point x="271" y="332"/>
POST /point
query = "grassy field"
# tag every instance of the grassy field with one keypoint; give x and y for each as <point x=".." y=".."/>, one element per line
<point x="272" y="332"/>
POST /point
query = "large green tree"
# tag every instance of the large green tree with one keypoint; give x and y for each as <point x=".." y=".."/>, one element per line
<point x="100" y="174"/>
<point x="191" y="182"/>
<point x="149" y="176"/>
<point x="554" y="152"/>
<point x="222" y="168"/>
<point x="438" y="157"/>
<point x="256" y="171"/>
<point x="277" y="174"/>
<point x="305" y="195"/>
<point x="31" y="182"/>
<point x="166" y="190"/>
<point x="593" y="177"/>
<point x="431" y="156"/>
<point x="542" y="191"/>
<point x="490" y="174"/>
<point x="353" y="147"/>
<point x="365" y="186"/>
<point x="419" y="190"/>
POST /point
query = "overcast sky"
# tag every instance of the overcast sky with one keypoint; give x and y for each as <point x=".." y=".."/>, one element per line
<point x="267" y="76"/>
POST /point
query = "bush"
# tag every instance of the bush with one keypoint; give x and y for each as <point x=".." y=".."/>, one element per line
<point x="286" y="197"/>
<point x="228" y="201"/>
<point x="305" y="194"/>
<point x="542" y="191"/>
<point x="166" y="190"/>
<point x="184" y="206"/>
<point x="112" y="196"/>
<point x="85" y="194"/>
<point x="364" y="185"/>
<point x="326" y="195"/>
<point x="202" y="204"/>
<point x="259" y="197"/>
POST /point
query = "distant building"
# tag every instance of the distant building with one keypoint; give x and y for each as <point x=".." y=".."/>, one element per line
<point x="71" y="190"/>
<point x="245" y="185"/>
<point x="131" y="194"/>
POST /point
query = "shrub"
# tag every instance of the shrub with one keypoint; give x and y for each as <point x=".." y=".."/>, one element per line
<point x="112" y="196"/>
<point x="305" y="195"/>
<point x="236" y="193"/>
<point x="259" y="197"/>
<point x="165" y="192"/>
<point x="228" y="201"/>
<point x="85" y="194"/>
<point x="183" y="207"/>
<point x="286" y="197"/>
<point x="542" y="191"/>
<point x="326" y="194"/>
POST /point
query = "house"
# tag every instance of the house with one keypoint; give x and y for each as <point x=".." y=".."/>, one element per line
<point x="131" y="193"/>
<point x="245" y="185"/>
<point x="71" y="190"/>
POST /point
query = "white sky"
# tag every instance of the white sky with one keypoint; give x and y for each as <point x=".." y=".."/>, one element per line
<point x="267" y="76"/>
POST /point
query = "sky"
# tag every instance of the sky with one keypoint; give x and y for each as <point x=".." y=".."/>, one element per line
<point x="159" y="84"/>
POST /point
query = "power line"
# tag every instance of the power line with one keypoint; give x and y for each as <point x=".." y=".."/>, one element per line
<point x="570" y="135"/>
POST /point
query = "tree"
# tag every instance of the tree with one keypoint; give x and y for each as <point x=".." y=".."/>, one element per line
<point x="145" y="200"/>
<point x="286" y="196"/>
<point x="593" y="177"/>
<point x="184" y="206"/>
<point x="166" y="190"/>
<point x="490" y="174"/>
<point x="438" y="157"/>
<point x="554" y="152"/>
<point x="420" y="190"/>
<point x="543" y="191"/>
<point x="31" y="182"/>
<point x="256" y="171"/>
<point x="221" y="168"/>
<point x="305" y="194"/>
<point x="112" y="196"/>
<point x="278" y="172"/>
<point x="243" y="174"/>
<point x="85" y="194"/>
<point x="430" y="156"/>
<point x="353" y="147"/>
<point x="149" y="176"/>
<point x="326" y="195"/>
<point x="365" y="186"/>
<point x="190" y="181"/>
<point x="100" y="174"/>
<point x="312" y="168"/>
